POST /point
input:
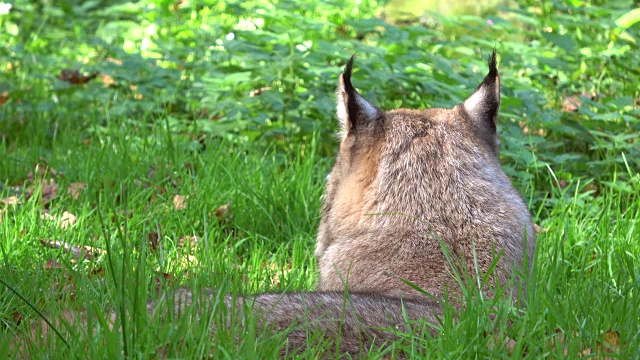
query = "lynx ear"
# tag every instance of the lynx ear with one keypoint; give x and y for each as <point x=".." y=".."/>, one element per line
<point x="482" y="106"/>
<point x="354" y="112"/>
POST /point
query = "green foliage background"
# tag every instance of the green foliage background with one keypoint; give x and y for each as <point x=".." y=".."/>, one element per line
<point x="233" y="101"/>
<point x="196" y="64"/>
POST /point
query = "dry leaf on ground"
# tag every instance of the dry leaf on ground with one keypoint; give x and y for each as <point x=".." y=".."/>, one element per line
<point x="500" y="341"/>
<point x="559" y="341"/>
<point x="180" y="202"/>
<point x="47" y="216"/>
<point x="168" y="280"/>
<point x="152" y="239"/>
<point x="75" y="188"/>
<point x="277" y="272"/>
<point x="188" y="241"/>
<point x="11" y="200"/>
<point x="77" y="251"/>
<point x="48" y="192"/>
<point x="188" y="261"/>
<point x="52" y="264"/>
<point x="151" y="172"/>
<point x="40" y="169"/>
<point x="17" y="318"/>
<point x="67" y="220"/>
<point x="223" y="213"/>
<point x="612" y="339"/>
<point x="65" y="287"/>
<point x="610" y="344"/>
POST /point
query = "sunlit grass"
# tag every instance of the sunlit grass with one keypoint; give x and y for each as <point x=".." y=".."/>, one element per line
<point x="584" y="282"/>
<point x="136" y="154"/>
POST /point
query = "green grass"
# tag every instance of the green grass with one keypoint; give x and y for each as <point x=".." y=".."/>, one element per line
<point x="265" y="246"/>
<point x="585" y="281"/>
<point x="205" y="137"/>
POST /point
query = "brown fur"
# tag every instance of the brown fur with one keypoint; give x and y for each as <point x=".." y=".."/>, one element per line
<point x="434" y="181"/>
<point x="405" y="183"/>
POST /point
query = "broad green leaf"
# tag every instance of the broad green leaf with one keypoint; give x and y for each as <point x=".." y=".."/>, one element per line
<point x="629" y="19"/>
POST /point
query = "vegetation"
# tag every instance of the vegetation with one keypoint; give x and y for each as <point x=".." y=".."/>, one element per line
<point x="128" y="127"/>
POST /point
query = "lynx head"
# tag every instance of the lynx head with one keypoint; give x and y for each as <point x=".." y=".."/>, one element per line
<point x="438" y="166"/>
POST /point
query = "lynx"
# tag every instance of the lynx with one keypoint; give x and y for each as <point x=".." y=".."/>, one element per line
<point x="406" y="186"/>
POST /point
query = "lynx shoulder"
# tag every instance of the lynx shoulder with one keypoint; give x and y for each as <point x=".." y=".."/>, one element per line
<point x="408" y="182"/>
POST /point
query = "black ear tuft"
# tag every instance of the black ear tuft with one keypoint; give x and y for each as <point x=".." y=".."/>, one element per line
<point x="346" y="75"/>
<point x="482" y="106"/>
<point x="353" y="110"/>
<point x="493" y="68"/>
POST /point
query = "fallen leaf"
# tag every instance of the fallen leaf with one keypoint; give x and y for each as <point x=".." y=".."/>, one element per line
<point x="160" y="189"/>
<point x="585" y="352"/>
<point x="276" y="272"/>
<point x="223" y="213"/>
<point x="188" y="261"/>
<point x="152" y="239"/>
<point x="64" y="288"/>
<point x="610" y="344"/>
<point x="120" y="215"/>
<point x="52" y="264"/>
<point x="67" y="220"/>
<point x="74" y="76"/>
<point x="593" y="188"/>
<point x="151" y="172"/>
<point x="77" y="251"/>
<point x="163" y="279"/>
<point x="503" y="342"/>
<point x="188" y="241"/>
<point x="559" y="341"/>
<point x="74" y="189"/>
<point x="611" y="340"/>
<point x="48" y="191"/>
<point x="47" y="216"/>
<point x="4" y="97"/>
<point x="509" y="345"/>
<point x="11" y="200"/>
<point x="18" y="318"/>
<point x="97" y="271"/>
<point x="40" y="170"/>
<point x="180" y="202"/>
